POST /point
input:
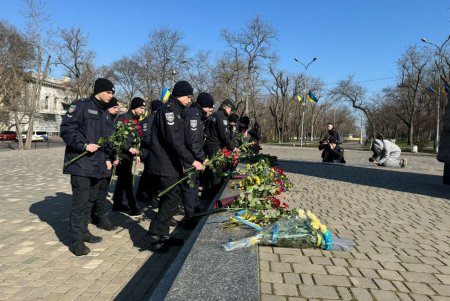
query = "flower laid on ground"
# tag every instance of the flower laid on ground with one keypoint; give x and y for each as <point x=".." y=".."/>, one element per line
<point x="301" y="230"/>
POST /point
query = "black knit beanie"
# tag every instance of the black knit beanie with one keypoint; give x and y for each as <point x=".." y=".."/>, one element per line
<point x="182" y="88"/>
<point x="233" y="117"/>
<point x="156" y="104"/>
<point x="112" y="103"/>
<point x="245" y="120"/>
<point x="136" y="103"/>
<point x="205" y="100"/>
<point x="102" y="85"/>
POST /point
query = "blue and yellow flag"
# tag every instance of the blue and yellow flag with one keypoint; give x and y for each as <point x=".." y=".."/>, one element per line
<point x="312" y="98"/>
<point x="165" y="94"/>
<point x="299" y="98"/>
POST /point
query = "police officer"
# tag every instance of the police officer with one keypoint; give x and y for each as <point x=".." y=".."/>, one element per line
<point x="166" y="158"/>
<point x="81" y="128"/>
<point x="99" y="212"/>
<point x="233" y="121"/>
<point x="126" y="157"/>
<point x="195" y="118"/>
<point x="217" y="132"/>
<point x="146" y="184"/>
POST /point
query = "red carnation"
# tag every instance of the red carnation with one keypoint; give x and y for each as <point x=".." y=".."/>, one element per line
<point x="276" y="202"/>
<point x="285" y="206"/>
<point x="140" y="133"/>
<point x="226" y="152"/>
<point x="138" y="127"/>
<point x="125" y="121"/>
<point x="279" y="191"/>
<point x="135" y="121"/>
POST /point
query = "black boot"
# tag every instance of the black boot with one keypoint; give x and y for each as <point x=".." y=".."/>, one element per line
<point x="105" y="224"/>
<point x="156" y="243"/>
<point x="91" y="238"/>
<point x="78" y="248"/>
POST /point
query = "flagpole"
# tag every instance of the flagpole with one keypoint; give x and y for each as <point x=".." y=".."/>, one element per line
<point x="304" y="95"/>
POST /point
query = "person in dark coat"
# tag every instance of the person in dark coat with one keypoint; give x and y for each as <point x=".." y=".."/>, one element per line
<point x="195" y="118"/>
<point x="126" y="157"/>
<point x="146" y="188"/>
<point x="255" y="137"/>
<point x="99" y="212"/>
<point x="331" y="151"/>
<point x="332" y="132"/>
<point x="81" y="128"/>
<point x="233" y="121"/>
<point x="217" y="132"/>
<point x="443" y="154"/>
<point x="168" y="158"/>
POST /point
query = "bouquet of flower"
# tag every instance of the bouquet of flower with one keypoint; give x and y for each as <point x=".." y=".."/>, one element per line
<point x="127" y="131"/>
<point x="118" y="140"/>
<point x="302" y="230"/>
<point x="221" y="159"/>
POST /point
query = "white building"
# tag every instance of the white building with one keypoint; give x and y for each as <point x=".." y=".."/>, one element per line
<point x="55" y="98"/>
<point x="53" y="103"/>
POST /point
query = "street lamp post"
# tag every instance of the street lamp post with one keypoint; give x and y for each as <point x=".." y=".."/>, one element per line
<point x="304" y="95"/>
<point x="438" y="100"/>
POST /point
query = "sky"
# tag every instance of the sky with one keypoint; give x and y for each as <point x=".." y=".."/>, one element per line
<point x="349" y="37"/>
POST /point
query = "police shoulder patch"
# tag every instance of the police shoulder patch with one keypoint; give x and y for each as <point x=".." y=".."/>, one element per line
<point x="145" y="126"/>
<point x="71" y="109"/>
<point x="193" y="124"/>
<point x="225" y="122"/>
<point x="170" y="117"/>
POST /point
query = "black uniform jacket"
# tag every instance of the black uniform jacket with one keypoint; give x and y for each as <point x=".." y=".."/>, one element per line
<point x="85" y="122"/>
<point x="194" y="132"/>
<point x="168" y="153"/>
<point x="146" y="125"/>
<point x="217" y="133"/>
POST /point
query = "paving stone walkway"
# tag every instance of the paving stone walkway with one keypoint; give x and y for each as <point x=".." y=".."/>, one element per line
<point x="35" y="263"/>
<point x="398" y="220"/>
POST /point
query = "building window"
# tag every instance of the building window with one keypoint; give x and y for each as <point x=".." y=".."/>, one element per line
<point x="46" y="102"/>
<point x="55" y="102"/>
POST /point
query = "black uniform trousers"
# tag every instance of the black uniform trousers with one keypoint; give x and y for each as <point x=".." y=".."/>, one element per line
<point x="124" y="183"/>
<point x="190" y="195"/>
<point x="168" y="206"/>
<point x="85" y="191"/>
<point x="100" y="207"/>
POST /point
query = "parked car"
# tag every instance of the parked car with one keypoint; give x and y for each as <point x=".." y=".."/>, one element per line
<point x="7" y="135"/>
<point x="37" y="136"/>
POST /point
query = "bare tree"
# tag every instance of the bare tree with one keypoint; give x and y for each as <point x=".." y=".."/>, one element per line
<point x="126" y="75"/>
<point x="36" y="20"/>
<point x="349" y="92"/>
<point x="76" y="60"/>
<point x="279" y="102"/>
<point x="199" y="70"/>
<point x="412" y="69"/>
<point x="160" y="58"/>
<point x="253" y="46"/>
<point x="16" y="55"/>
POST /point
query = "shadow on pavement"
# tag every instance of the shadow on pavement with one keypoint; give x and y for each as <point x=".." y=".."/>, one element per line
<point x="430" y="185"/>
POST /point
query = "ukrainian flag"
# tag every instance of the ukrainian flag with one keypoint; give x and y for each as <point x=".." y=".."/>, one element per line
<point x="165" y="94"/>
<point x="312" y="98"/>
